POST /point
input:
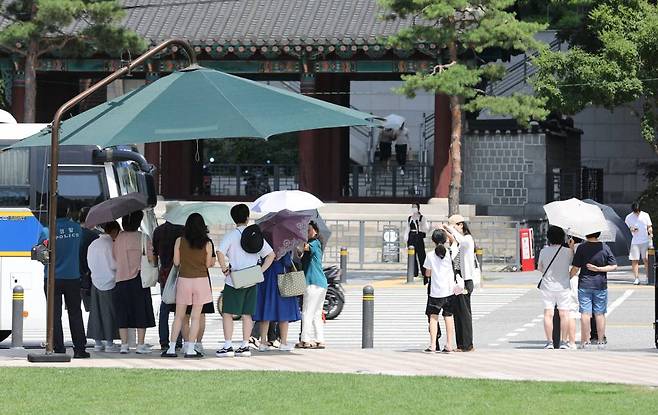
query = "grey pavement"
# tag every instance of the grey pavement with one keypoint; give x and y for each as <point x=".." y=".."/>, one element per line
<point x="589" y="366"/>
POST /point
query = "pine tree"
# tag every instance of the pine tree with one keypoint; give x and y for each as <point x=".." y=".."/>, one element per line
<point x="465" y="29"/>
<point x="38" y="27"/>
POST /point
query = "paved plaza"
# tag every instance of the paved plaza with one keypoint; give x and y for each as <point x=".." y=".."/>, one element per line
<point x="507" y="325"/>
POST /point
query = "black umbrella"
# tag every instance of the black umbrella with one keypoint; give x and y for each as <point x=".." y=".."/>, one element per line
<point x="623" y="236"/>
<point x="115" y="208"/>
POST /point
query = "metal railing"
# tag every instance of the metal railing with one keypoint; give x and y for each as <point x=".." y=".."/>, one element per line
<point x="249" y="179"/>
<point x="364" y="240"/>
<point x="519" y="73"/>
<point x="415" y="180"/>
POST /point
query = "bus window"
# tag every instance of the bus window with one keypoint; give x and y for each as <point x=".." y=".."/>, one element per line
<point x="15" y="178"/>
<point x="80" y="188"/>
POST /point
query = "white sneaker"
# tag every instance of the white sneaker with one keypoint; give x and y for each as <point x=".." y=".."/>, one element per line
<point x="286" y="347"/>
<point x="112" y="348"/>
<point x="99" y="347"/>
<point x="601" y="346"/>
<point x="564" y="346"/>
<point x="636" y="282"/>
<point x="263" y="347"/>
<point x="585" y="346"/>
<point x="549" y="346"/>
<point x="125" y="349"/>
<point x="199" y="348"/>
<point x="143" y="349"/>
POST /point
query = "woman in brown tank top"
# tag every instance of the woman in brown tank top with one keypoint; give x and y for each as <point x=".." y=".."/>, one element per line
<point x="193" y="253"/>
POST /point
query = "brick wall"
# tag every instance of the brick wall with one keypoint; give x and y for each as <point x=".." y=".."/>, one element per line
<point x="505" y="173"/>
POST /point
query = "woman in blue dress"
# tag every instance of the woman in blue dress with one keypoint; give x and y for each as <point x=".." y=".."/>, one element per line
<point x="271" y="306"/>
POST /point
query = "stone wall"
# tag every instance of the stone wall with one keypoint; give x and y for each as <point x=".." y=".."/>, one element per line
<point x="505" y="173"/>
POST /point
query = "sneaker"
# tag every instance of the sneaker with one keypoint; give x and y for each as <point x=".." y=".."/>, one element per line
<point x="428" y="350"/>
<point x="601" y="345"/>
<point x="572" y="346"/>
<point x="564" y="346"/>
<point x="636" y="282"/>
<point x="263" y="347"/>
<point x="112" y="348"/>
<point x="243" y="352"/>
<point x="549" y="346"/>
<point x="125" y="349"/>
<point x="199" y="348"/>
<point x="143" y="349"/>
<point x="585" y="346"/>
<point x="286" y="347"/>
<point x="225" y="352"/>
<point x="99" y="347"/>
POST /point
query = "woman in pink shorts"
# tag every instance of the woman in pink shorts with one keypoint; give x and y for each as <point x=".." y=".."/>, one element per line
<point x="193" y="254"/>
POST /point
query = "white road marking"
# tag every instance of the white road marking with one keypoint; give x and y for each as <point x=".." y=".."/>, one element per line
<point x="619" y="300"/>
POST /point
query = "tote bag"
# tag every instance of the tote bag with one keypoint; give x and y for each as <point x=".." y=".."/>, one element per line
<point x="292" y="284"/>
<point x="148" y="272"/>
<point x="247" y="277"/>
<point x="169" y="291"/>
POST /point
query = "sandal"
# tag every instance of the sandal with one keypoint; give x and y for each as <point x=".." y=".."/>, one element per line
<point x="304" y="345"/>
<point x="428" y="350"/>
<point x="320" y="346"/>
<point x="446" y="350"/>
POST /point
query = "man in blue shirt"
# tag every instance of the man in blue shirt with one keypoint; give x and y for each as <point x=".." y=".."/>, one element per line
<point x="67" y="284"/>
<point x="592" y="262"/>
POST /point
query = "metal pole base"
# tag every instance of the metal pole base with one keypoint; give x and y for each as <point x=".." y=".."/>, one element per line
<point x="48" y="358"/>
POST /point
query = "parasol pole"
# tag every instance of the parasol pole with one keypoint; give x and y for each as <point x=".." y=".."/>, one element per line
<point x="49" y="356"/>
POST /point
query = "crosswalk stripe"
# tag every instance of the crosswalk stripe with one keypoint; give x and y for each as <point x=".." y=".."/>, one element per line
<point x="400" y="322"/>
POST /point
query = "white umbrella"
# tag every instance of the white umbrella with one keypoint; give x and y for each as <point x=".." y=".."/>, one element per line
<point x="293" y="200"/>
<point x="393" y="121"/>
<point x="213" y="213"/>
<point x="578" y="218"/>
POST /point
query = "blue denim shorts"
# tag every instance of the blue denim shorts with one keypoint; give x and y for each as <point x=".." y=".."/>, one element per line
<point x="595" y="301"/>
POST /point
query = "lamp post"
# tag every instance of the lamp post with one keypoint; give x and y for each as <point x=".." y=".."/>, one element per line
<point x="49" y="356"/>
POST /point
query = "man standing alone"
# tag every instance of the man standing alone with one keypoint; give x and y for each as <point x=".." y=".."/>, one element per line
<point x="640" y="225"/>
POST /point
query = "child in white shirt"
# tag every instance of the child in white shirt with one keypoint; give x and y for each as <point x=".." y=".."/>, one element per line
<point x="439" y="269"/>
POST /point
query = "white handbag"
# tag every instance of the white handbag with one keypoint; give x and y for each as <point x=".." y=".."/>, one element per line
<point x="169" y="291"/>
<point x="247" y="277"/>
<point x="148" y="272"/>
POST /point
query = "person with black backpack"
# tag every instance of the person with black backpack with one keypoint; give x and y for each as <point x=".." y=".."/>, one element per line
<point x="249" y="256"/>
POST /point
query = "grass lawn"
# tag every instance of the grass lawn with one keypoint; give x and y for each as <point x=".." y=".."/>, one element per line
<point x="119" y="391"/>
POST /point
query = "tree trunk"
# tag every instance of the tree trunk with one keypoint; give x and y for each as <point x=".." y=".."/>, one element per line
<point x="31" y="81"/>
<point x="455" y="144"/>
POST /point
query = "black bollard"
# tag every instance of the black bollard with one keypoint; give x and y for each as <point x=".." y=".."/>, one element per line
<point x="411" y="263"/>
<point x="18" y="297"/>
<point x="368" y="318"/>
<point x="343" y="264"/>
<point x="651" y="270"/>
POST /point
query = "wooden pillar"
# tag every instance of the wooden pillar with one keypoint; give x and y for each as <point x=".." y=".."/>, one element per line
<point x="176" y="169"/>
<point x="442" y="130"/>
<point x="18" y="96"/>
<point x="324" y="154"/>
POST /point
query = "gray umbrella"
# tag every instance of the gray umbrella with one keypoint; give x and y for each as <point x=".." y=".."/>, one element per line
<point x="325" y="232"/>
<point x="622" y="243"/>
<point x="115" y="208"/>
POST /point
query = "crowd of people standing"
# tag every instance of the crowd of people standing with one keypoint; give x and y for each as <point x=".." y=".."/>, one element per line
<point x="119" y="304"/>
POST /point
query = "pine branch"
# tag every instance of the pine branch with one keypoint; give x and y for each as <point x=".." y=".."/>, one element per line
<point x="54" y="46"/>
<point x="13" y="50"/>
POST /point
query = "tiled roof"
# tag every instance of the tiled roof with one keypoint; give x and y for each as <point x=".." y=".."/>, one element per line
<point x="260" y="21"/>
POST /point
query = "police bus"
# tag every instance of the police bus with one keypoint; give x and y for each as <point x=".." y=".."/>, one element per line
<point x="87" y="175"/>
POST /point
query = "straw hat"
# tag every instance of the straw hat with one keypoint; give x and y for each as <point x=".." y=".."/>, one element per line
<point x="455" y="219"/>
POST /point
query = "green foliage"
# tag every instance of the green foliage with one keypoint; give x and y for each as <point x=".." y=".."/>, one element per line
<point x="472" y="27"/>
<point x="613" y="61"/>
<point x="48" y="24"/>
